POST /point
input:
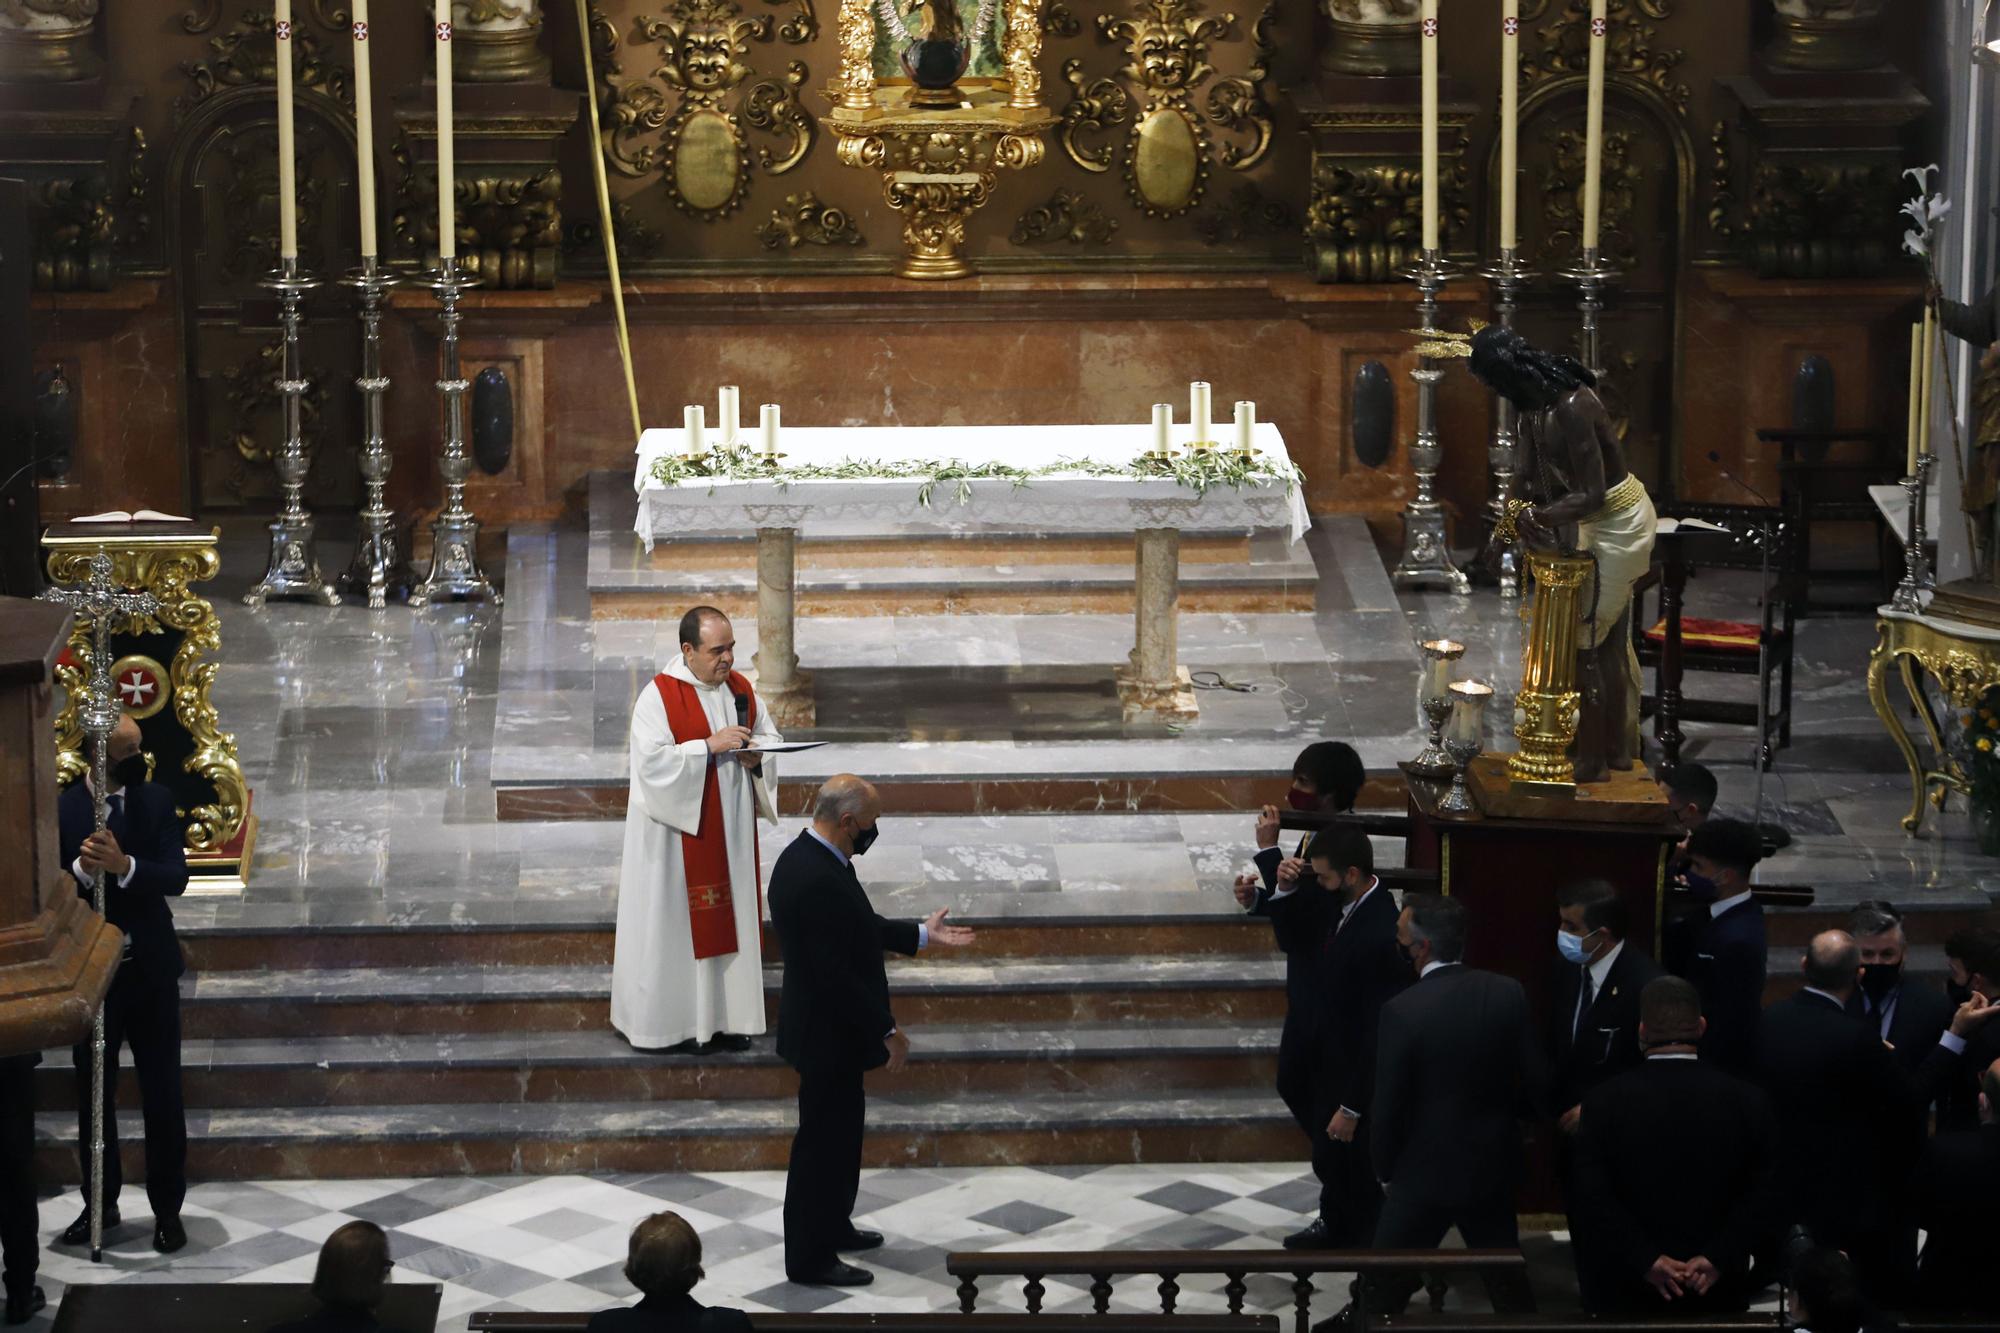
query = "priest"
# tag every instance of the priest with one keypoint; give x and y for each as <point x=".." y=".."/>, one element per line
<point x="687" y="968"/>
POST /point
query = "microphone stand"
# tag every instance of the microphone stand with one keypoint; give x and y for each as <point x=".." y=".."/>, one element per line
<point x="1764" y="536"/>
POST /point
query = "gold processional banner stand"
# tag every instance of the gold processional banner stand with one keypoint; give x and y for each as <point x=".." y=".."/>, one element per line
<point x="163" y="670"/>
<point x="604" y="219"/>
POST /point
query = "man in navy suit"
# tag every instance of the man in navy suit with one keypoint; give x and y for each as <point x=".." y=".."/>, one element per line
<point x="141" y="854"/>
<point x="664" y="1263"/>
<point x="1719" y="945"/>
<point x="834" y="1023"/>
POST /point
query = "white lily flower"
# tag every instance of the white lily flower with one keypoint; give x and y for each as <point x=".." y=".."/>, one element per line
<point x="1913" y="243"/>
<point x="1921" y="176"/>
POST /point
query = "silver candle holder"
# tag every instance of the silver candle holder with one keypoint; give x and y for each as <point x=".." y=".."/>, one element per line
<point x="377" y="568"/>
<point x="1468" y="721"/>
<point x="1918" y="577"/>
<point x="1426" y="560"/>
<point x="293" y="568"/>
<point x="1432" y="761"/>
<point x="455" y="570"/>
<point x="1592" y="274"/>
<point x="1500" y="559"/>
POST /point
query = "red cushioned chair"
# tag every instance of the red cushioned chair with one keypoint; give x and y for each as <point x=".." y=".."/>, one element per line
<point x="1674" y="645"/>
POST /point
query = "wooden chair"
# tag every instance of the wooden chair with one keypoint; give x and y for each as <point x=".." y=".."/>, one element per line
<point x="1674" y="645"/>
<point x="1815" y="488"/>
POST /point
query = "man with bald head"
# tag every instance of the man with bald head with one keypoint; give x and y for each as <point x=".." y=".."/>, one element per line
<point x="834" y="1020"/>
<point x="1849" y="1115"/>
<point x="141" y="851"/>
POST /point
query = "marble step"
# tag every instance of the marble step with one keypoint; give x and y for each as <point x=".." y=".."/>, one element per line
<point x="1229" y="1125"/>
<point x="432" y="1000"/>
<point x="460" y="1068"/>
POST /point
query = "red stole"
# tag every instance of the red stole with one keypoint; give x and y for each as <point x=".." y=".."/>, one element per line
<point x="705" y="857"/>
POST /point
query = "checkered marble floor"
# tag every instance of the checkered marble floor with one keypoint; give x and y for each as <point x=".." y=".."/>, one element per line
<point x="558" y="1242"/>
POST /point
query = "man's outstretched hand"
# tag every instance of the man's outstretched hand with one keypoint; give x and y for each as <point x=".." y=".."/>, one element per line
<point x="941" y="933"/>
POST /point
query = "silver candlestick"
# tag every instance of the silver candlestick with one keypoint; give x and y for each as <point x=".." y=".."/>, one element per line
<point x="1432" y="761"/>
<point x="1500" y="559"/>
<point x="1457" y="800"/>
<point x="1918" y="578"/>
<point x="455" y="568"/>
<point x="1426" y="561"/>
<point x="1591" y="275"/>
<point x="377" y="567"/>
<point x="294" y="566"/>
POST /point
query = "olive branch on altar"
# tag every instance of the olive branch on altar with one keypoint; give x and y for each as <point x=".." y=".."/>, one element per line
<point x="1198" y="470"/>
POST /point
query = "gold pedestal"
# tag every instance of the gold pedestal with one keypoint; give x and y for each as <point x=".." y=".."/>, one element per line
<point x="938" y="164"/>
<point x="1964" y="659"/>
<point x="1546" y="705"/>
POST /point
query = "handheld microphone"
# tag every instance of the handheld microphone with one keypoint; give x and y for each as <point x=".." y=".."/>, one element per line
<point x="742" y="710"/>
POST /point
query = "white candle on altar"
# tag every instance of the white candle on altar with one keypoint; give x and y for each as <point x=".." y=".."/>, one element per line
<point x="1510" y="110"/>
<point x="1246" y="424"/>
<point x="447" y="234"/>
<point x="1916" y="394"/>
<point x="1593" y="125"/>
<point x="1163" y="425"/>
<point x="767" y="426"/>
<point x="727" y="421"/>
<point x="1929" y="380"/>
<point x="288" y="199"/>
<point x="1429" y="44"/>
<point x="364" y="131"/>
<point x="1468" y="706"/>
<point x="694" y="418"/>
<point x="1199" y="418"/>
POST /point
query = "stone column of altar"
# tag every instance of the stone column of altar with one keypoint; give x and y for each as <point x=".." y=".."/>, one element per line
<point x="785" y="690"/>
<point x="1155" y="685"/>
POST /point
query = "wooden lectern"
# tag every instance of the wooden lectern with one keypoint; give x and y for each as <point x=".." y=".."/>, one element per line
<point x="56" y="955"/>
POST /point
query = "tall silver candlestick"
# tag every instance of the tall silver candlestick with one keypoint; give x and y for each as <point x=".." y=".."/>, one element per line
<point x="1500" y="559"/>
<point x="1591" y="275"/>
<point x="455" y="568"/>
<point x="377" y="568"/>
<point x="1917" y="576"/>
<point x="1426" y="560"/>
<point x="294" y="565"/>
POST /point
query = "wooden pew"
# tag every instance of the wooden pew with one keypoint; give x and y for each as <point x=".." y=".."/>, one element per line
<point x="510" y="1321"/>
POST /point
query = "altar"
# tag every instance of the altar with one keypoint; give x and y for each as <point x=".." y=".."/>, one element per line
<point x="970" y="479"/>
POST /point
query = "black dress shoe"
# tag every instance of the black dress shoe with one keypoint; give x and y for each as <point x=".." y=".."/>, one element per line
<point x="729" y="1041"/>
<point x="22" y="1305"/>
<point x="835" y="1274"/>
<point x="1314" y="1237"/>
<point x="857" y="1239"/>
<point x="78" y="1232"/>
<point x="169" y="1235"/>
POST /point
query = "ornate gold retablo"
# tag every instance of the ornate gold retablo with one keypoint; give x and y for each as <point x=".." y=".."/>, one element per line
<point x="195" y="758"/>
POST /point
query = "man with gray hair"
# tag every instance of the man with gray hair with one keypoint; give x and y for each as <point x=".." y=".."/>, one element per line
<point x="834" y="1022"/>
<point x="1457" y="1070"/>
<point x="1908" y="1015"/>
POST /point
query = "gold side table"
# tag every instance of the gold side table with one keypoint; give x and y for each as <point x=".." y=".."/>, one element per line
<point x="1963" y="658"/>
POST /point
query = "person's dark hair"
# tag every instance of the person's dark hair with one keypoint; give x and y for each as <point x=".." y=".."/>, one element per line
<point x="1522" y="373"/>
<point x="692" y="622"/>
<point x="1340" y="848"/>
<point x="1832" y="959"/>
<point x="1825" y="1292"/>
<point x="1978" y="947"/>
<point x="1440" y="920"/>
<point x="1670" y="1007"/>
<point x="1728" y="842"/>
<point x="664" y="1258"/>
<point x="1334" y="770"/>
<point x="1691" y="782"/>
<point x="353" y="1268"/>
<point x="1872" y="918"/>
<point x="1602" y="908"/>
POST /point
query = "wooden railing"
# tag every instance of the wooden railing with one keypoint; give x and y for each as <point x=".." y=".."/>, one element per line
<point x="521" y="1321"/>
<point x="1105" y="1267"/>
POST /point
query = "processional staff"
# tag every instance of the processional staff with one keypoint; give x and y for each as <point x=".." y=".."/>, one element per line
<point x="101" y="601"/>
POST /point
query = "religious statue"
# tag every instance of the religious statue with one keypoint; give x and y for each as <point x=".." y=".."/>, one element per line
<point x="1979" y="325"/>
<point x="974" y="26"/>
<point x="1576" y="497"/>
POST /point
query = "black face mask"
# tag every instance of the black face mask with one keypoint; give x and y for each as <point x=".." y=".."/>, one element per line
<point x="1878" y="979"/>
<point x="865" y="838"/>
<point x="1403" y="952"/>
<point x="1956" y="993"/>
<point x="129" y="771"/>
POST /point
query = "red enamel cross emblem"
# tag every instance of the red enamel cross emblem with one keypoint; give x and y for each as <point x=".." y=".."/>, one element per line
<point x="1511" y="27"/>
<point x="444" y="32"/>
<point x="360" y="31"/>
<point x="284" y="30"/>
<point x="1430" y="27"/>
<point x="141" y="684"/>
<point x="1599" y="27"/>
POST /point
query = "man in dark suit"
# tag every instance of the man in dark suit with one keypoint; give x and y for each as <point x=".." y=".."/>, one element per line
<point x="20" y="1218"/>
<point x="1718" y="941"/>
<point x="1598" y="982"/>
<point x="1457" y="1070"/>
<point x="1909" y="1016"/>
<point x="1849" y="1116"/>
<point x="1675" y="1187"/>
<point x="1953" y="1194"/>
<point x="834" y="1023"/>
<point x="1327" y="778"/>
<point x="142" y="856"/>
<point x="664" y="1263"/>
<point x="1972" y="953"/>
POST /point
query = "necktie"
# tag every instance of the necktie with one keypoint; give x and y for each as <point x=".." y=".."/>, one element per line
<point x="1584" y="995"/>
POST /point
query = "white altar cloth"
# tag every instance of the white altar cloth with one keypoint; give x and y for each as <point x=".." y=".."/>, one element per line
<point x="1055" y="503"/>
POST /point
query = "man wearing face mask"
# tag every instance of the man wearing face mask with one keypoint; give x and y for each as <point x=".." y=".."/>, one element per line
<point x="1690" y="790"/>
<point x="834" y="1023"/>
<point x="1719" y="945"/>
<point x="141" y="852"/>
<point x="1909" y="1017"/>
<point x="1972" y="953"/>
<point x="1596" y="1012"/>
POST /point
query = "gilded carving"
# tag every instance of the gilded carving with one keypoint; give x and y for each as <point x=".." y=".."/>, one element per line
<point x="1824" y="218"/>
<point x="249" y="193"/>
<point x="1631" y="45"/>
<point x="1561" y="183"/>
<point x="202" y="17"/>
<point x="805" y="220"/>
<point x="1721" y="184"/>
<point x="1024" y="53"/>
<point x="1067" y="216"/>
<point x="1059" y="20"/>
<point x="802" y="27"/>
<point x="857" y="54"/>
<point x="1247" y="213"/>
<point x="247" y="55"/>
<point x="166" y="572"/>
<point x="1365" y="217"/>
